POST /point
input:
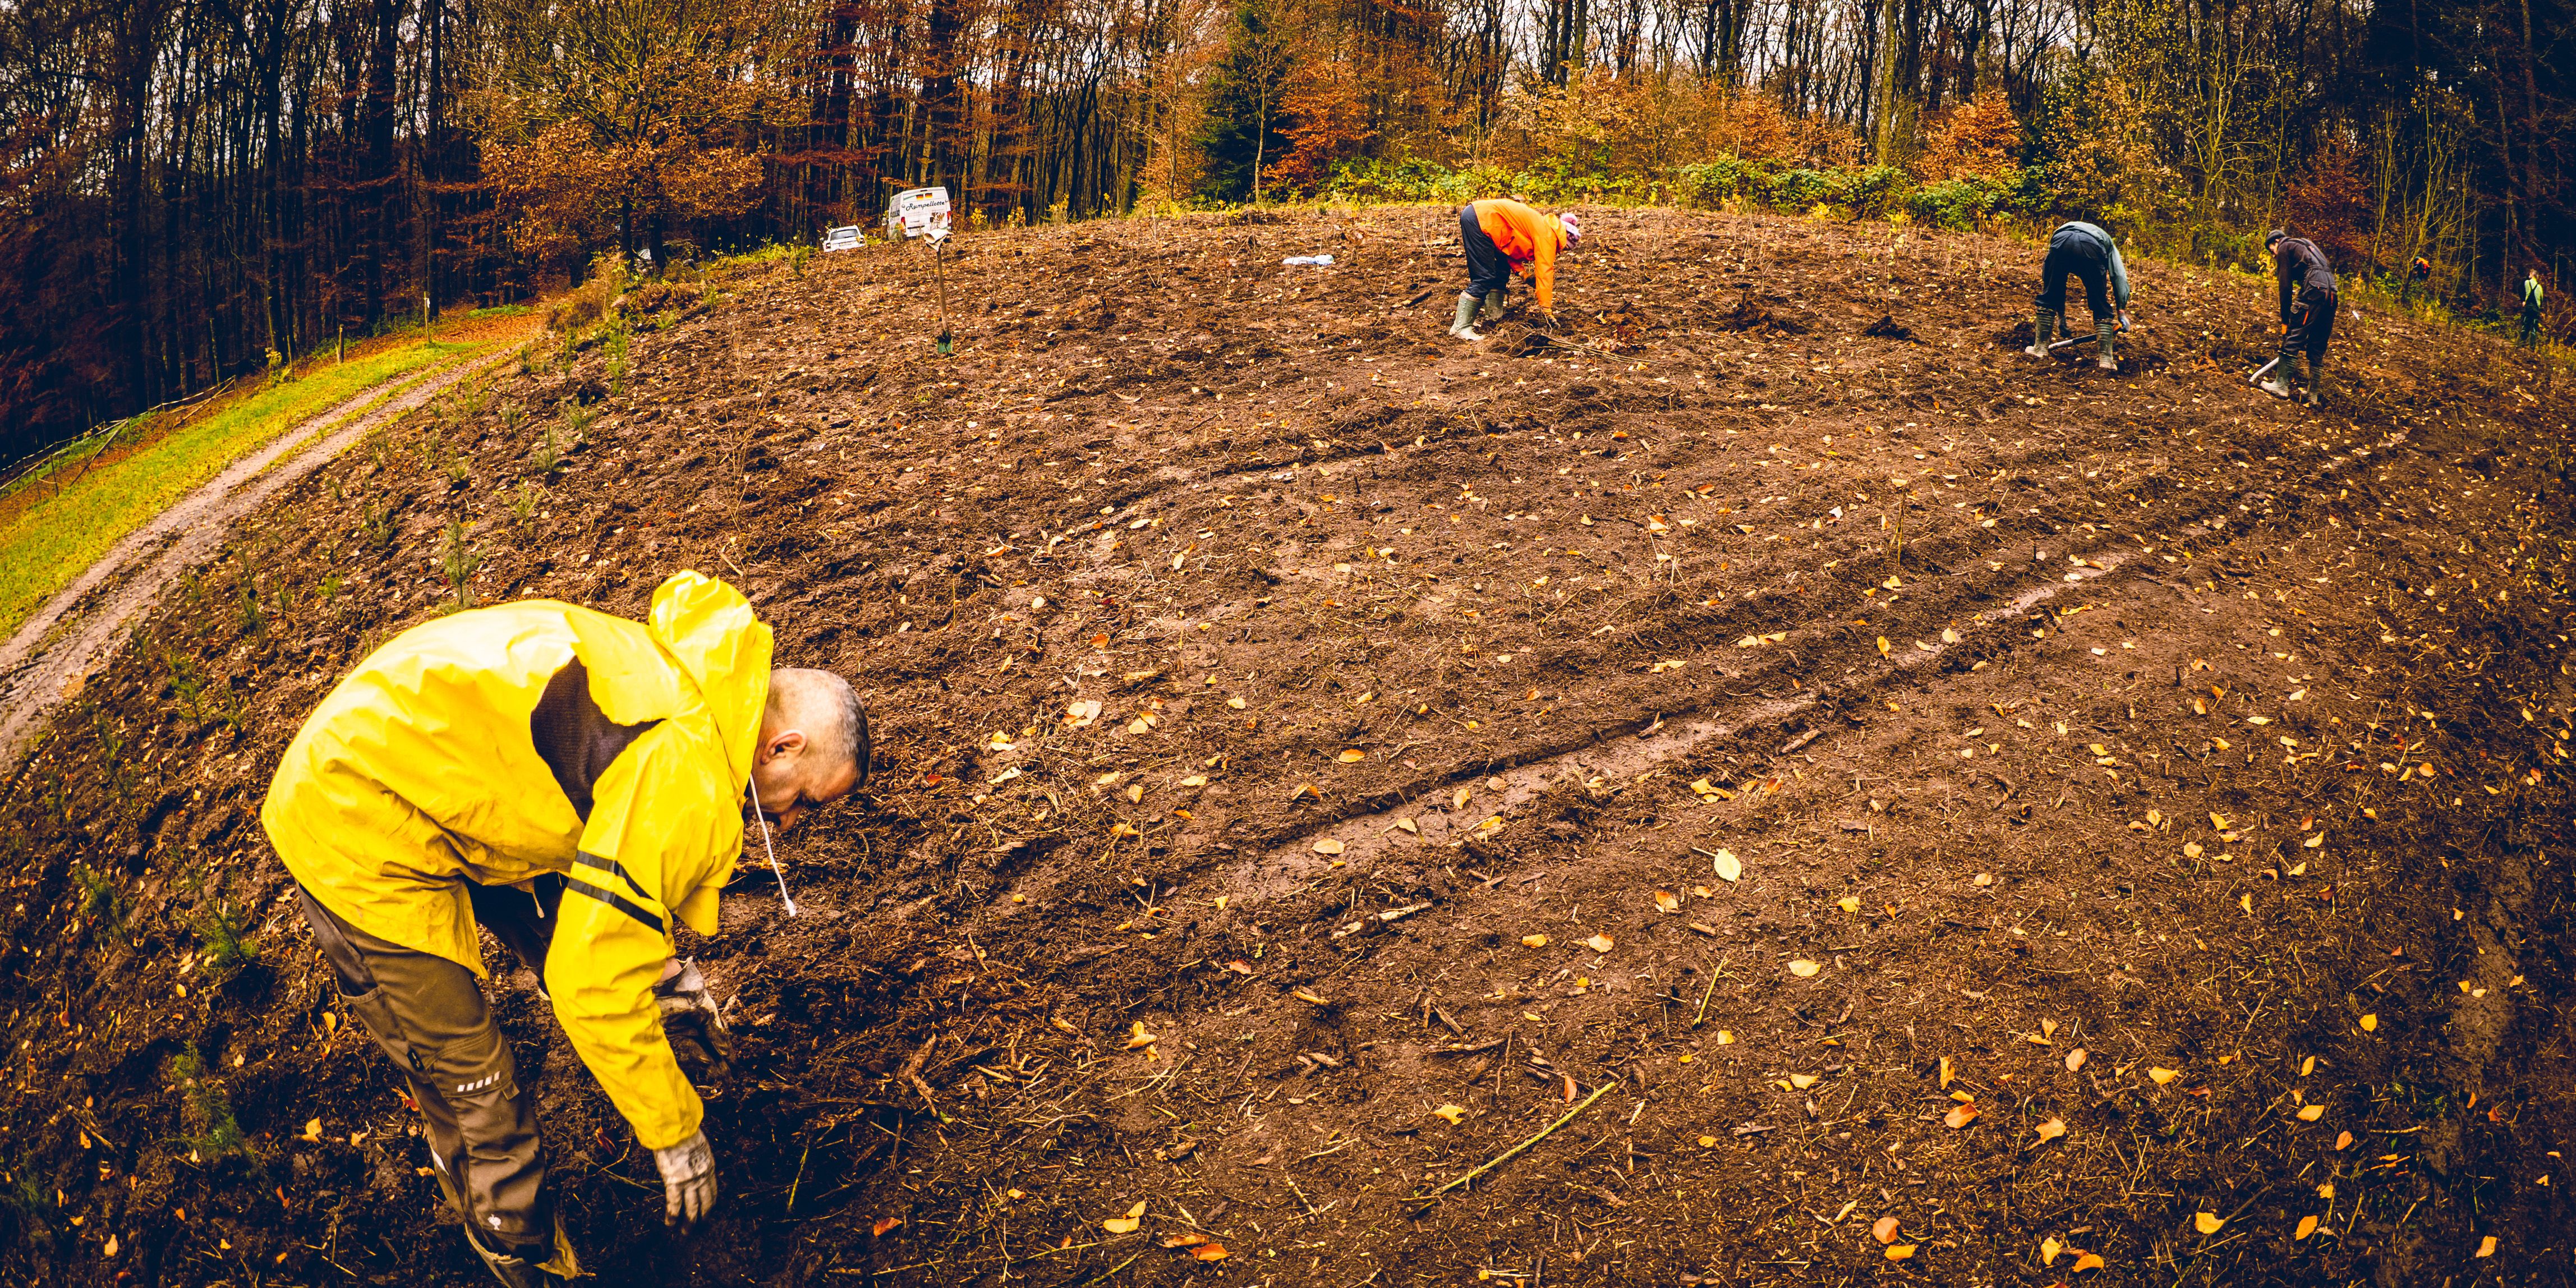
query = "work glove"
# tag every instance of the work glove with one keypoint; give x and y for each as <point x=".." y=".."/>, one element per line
<point x="692" y="1026"/>
<point x="688" y="1181"/>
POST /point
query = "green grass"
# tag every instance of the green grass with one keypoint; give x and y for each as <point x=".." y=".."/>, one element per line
<point x="51" y="539"/>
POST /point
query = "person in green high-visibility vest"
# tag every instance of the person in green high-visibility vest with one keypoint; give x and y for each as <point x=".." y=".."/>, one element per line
<point x="2529" y="337"/>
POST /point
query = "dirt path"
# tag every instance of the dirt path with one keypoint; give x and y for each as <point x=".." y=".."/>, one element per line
<point x="55" y="650"/>
<point x="1893" y="794"/>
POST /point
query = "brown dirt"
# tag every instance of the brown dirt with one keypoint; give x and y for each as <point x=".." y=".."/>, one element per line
<point x="1532" y="639"/>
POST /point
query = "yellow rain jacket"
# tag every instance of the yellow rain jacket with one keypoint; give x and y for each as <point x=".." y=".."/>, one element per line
<point x="423" y="770"/>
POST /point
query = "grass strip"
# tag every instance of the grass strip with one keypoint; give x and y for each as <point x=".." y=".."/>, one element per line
<point x="50" y="540"/>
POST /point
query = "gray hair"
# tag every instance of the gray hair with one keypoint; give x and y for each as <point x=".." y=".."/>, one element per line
<point x="837" y="726"/>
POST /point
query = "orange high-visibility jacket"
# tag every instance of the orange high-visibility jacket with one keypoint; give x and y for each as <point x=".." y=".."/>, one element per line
<point x="1527" y="238"/>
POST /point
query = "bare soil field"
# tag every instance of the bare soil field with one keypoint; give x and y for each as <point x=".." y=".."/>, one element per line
<point x="1767" y="786"/>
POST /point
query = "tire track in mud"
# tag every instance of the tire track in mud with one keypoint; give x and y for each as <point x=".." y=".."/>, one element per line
<point x="78" y="630"/>
<point x="1367" y="831"/>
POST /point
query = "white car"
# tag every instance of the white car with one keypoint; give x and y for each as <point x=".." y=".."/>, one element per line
<point x="846" y="237"/>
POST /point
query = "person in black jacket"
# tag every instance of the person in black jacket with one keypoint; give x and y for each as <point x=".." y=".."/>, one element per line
<point x="2307" y="301"/>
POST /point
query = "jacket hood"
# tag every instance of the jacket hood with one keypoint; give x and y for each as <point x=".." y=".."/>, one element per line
<point x="708" y="628"/>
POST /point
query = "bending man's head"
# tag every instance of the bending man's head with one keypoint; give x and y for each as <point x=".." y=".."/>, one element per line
<point x="813" y="743"/>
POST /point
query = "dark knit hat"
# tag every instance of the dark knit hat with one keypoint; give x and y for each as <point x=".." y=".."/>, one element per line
<point x="2276" y="235"/>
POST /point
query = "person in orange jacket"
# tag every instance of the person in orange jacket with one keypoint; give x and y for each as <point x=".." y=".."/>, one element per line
<point x="1502" y="235"/>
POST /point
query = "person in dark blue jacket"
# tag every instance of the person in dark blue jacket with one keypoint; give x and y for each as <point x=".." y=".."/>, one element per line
<point x="2307" y="301"/>
<point x="2086" y="252"/>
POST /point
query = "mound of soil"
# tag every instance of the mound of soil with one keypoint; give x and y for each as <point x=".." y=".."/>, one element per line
<point x="1347" y="790"/>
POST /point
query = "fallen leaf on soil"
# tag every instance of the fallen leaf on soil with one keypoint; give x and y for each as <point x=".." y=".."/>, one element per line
<point x="2052" y="1129"/>
<point x="884" y="1223"/>
<point x="2343" y="1140"/>
<point x="2048" y="1250"/>
<point x="1802" y="1081"/>
<point x="1600" y="943"/>
<point x="110" y="1249"/>
<point x="1848" y="904"/>
<point x="2312" y="1113"/>
<point x="1704" y="928"/>
<point x="1407" y="825"/>
<point x="1353" y="755"/>
<point x="1985" y="878"/>
<point x="2207" y="1222"/>
<point x="1305" y="996"/>
<point x="2307" y="1226"/>
<point x="1900" y="1252"/>
<point x="1183" y="1240"/>
<point x="1725" y="1038"/>
<point x="2486" y="1246"/>
<point x="1946" y="1074"/>
<point x="1533" y="941"/>
<point x="2164" y="1076"/>
<point x="1959" y="1117"/>
<point x="2075" y="1059"/>
<point x="1949" y="636"/>
<point x="1668" y="901"/>
<point x="1126" y="1224"/>
<point x="1453" y="1113"/>
<point x="1239" y="966"/>
<point x="1328" y="846"/>
<point x="1883" y="1229"/>
<point x="1802" y="968"/>
<point x="1137" y="1036"/>
<point x="2088" y="1261"/>
<point x="1459" y="799"/>
<point x="1883" y="649"/>
<point x="313" y="1130"/>
<point x="1728" y="868"/>
<point x="1080" y="714"/>
<point x="2370" y="1023"/>
<point x="1209" y="1252"/>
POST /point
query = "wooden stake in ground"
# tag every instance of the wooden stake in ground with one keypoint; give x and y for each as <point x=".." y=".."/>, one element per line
<point x="938" y="258"/>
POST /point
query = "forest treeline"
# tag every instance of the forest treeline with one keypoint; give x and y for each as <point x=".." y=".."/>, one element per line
<point x="191" y="190"/>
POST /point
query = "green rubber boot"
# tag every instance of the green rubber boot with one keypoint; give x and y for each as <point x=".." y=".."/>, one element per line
<point x="2316" y="382"/>
<point x="2278" y="383"/>
<point x="1464" y="326"/>
<point x="1493" y="310"/>
<point x="2107" y="333"/>
<point x="2043" y="325"/>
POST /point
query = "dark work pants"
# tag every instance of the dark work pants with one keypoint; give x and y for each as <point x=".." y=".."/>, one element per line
<point x="2311" y="324"/>
<point x="2071" y="252"/>
<point x="1487" y="270"/>
<point x="430" y="1017"/>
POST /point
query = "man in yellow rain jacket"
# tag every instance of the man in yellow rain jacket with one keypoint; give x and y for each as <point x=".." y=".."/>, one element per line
<point x="576" y="783"/>
<point x="1501" y="235"/>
